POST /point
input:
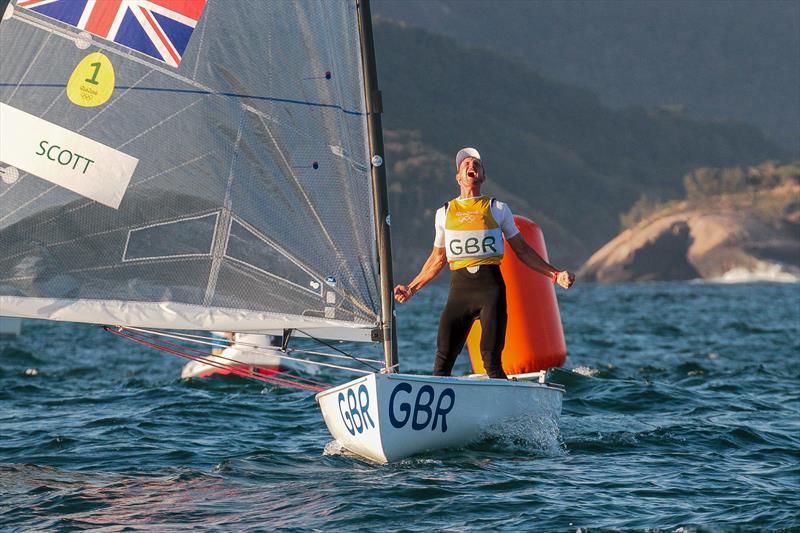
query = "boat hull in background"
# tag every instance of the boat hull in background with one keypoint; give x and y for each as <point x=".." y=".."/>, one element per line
<point x="388" y="417"/>
<point x="261" y="361"/>
<point x="250" y="351"/>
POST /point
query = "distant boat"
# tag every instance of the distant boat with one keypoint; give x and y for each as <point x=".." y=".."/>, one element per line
<point x="218" y="165"/>
<point x="252" y="352"/>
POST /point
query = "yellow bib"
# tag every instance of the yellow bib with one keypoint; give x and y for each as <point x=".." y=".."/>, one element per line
<point x="471" y="234"/>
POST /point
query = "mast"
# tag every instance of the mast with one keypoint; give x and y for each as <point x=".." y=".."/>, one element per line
<point x="380" y="199"/>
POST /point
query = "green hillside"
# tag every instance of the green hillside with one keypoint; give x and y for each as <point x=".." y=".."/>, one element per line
<point x="551" y="150"/>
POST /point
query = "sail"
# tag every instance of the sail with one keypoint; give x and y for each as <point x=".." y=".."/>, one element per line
<point x="197" y="164"/>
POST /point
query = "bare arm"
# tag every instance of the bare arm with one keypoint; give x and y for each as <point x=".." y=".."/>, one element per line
<point x="533" y="260"/>
<point x="431" y="268"/>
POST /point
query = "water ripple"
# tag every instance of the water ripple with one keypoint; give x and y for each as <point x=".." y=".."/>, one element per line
<point x="680" y="415"/>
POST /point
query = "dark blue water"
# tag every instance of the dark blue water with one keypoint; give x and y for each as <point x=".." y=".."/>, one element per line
<point x="682" y="412"/>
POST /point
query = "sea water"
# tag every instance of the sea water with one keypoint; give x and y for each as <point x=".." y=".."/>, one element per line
<point x="682" y="413"/>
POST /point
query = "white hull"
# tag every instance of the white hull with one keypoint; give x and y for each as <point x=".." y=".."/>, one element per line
<point x="263" y="359"/>
<point x="387" y="417"/>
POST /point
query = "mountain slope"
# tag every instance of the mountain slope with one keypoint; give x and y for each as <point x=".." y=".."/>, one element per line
<point x="735" y="224"/>
<point x="736" y="59"/>
<point x="576" y="162"/>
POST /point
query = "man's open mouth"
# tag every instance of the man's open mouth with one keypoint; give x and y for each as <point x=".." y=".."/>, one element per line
<point x="471" y="173"/>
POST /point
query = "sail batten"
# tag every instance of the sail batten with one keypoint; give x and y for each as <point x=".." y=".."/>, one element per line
<point x="203" y="92"/>
<point x="248" y="205"/>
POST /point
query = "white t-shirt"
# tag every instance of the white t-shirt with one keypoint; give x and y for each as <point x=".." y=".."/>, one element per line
<point x="500" y="211"/>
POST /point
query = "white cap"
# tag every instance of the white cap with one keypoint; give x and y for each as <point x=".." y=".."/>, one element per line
<point x="465" y="153"/>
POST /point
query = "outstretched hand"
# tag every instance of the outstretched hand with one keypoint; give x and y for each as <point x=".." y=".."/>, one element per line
<point x="565" y="279"/>
<point x="402" y="293"/>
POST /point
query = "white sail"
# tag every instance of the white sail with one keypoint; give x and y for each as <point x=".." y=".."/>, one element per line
<point x="205" y="164"/>
<point x="219" y="179"/>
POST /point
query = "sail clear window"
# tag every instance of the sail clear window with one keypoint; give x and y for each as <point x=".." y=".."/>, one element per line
<point x="249" y="247"/>
<point x="184" y="237"/>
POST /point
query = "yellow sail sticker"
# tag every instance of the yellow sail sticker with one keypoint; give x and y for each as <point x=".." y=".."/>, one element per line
<point x="92" y="81"/>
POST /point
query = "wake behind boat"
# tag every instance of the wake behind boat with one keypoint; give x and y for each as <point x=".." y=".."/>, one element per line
<point x="165" y="174"/>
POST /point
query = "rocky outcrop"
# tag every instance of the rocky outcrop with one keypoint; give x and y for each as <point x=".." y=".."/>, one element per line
<point x="727" y="240"/>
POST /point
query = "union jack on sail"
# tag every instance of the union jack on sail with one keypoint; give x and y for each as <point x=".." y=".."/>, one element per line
<point x="158" y="28"/>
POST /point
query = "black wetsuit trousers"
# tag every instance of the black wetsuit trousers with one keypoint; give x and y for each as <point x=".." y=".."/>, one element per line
<point x="481" y="295"/>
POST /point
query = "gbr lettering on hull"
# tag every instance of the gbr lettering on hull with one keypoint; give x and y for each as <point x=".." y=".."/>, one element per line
<point x="354" y="408"/>
<point x="424" y="411"/>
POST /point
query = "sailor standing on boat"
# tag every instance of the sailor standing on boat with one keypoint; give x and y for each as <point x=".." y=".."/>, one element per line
<point x="469" y="235"/>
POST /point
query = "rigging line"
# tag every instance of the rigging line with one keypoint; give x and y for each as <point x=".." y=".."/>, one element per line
<point x="331" y="355"/>
<point x="212" y="359"/>
<point x="197" y="339"/>
<point x="338" y="350"/>
<point x="191" y="338"/>
<point x="207" y="92"/>
<point x="289" y="358"/>
<point x="247" y="373"/>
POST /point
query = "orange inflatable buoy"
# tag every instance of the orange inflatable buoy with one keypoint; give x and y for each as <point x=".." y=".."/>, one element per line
<point x="534" y="336"/>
